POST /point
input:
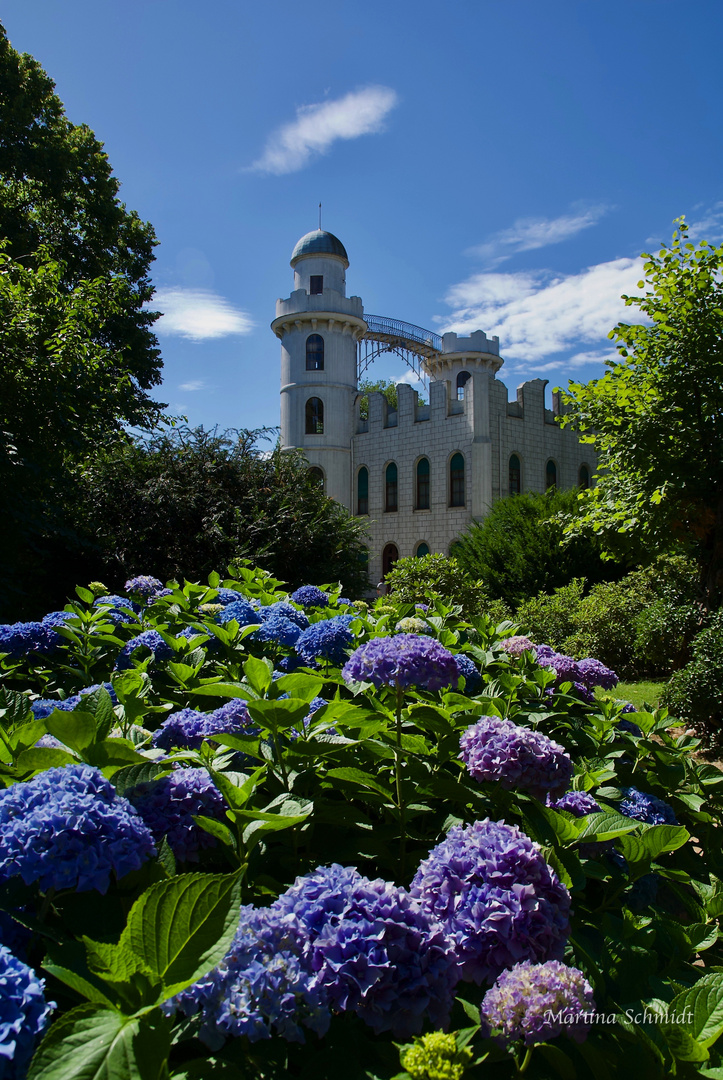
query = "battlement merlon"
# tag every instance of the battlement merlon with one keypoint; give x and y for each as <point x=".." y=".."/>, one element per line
<point x="477" y="342"/>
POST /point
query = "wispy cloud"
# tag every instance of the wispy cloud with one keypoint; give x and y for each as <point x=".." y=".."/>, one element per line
<point x="537" y="315"/>
<point x="198" y="314"/>
<point x="316" y="127"/>
<point x="528" y="234"/>
<point x="195" y="384"/>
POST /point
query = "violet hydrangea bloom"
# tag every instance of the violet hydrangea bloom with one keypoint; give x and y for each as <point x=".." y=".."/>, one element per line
<point x="517" y="757"/>
<point x="67" y="828"/>
<point x="319" y="896"/>
<point x="24" y="1015"/>
<point x="168" y="806"/>
<point x="119" y="608"/>
<point x="469" y="672"/>
<point x="537" y="1002"/>
<point x="148" y="639"/>
<point x="517" y="645"/>
<point x="325" y="640"/>
<point x="144" y="587"/>
<point x="402" y="661"/>
<point x="310" y="596"/>
<point x="579" y="803"/>
<point x="186" y="729"/>
<point x="496" y="897"/>
<point x="647" y="808"/>
<point x="594" y="673"/>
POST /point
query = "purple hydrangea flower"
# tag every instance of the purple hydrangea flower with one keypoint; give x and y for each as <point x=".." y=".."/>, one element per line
<point x="631" y="727"/>
<point x="578" y="803"/>
<point x="325" y="640"/>
<point x="15" y="937"/>
<point x="277" y="629"/>
<point x="594" y="673"/>
<point x="402" y="661"/>
<point x="168" y="805"/>
<point x="265" y="984"/>
<point x="469" y="672"/>
<point x="495" y="895"/>
<point x="517" y="645"/>
<point x="566" y="669"/>
<point x="647" y="808"/>
<point x="286" y="611"/>
<point x="537" y="1002"/>
<point x="422" y="607"/>
<point x="145" y="587"/>
<point x="241" y="612"/>
<point x="187" y="728"/>
<point x="319" y="897"/>
<point x="517" y="757"/>
<point x="24" y="1015"/>
<point x="67" y="828"/>
<point x="148" y="639"/>
<point x="310" y="596"/>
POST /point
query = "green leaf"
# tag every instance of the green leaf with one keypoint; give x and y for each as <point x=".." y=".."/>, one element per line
<point x="653" y="841"/>
<point x="258" y="673"/>
<point x="278" y="715"/>
<point x="606" y="826"/>
<point x="25" y="736"/>
<point x="217" y="829"/>
<point x="362" y="779"/>
<point x="182" y="928"/>
<point x="220" y="689"/>
<point x="42" y="758"/>
<point x="93" y="1042"/>
<point x="78" y="983"/>
<point x="472" y="1011"/>
<point x="85" y="594"/>
<point x="305" y="687"/>
<point x="75" y="729"/>
<point x="143" y="773"/>
<point x="702" y="1006"/>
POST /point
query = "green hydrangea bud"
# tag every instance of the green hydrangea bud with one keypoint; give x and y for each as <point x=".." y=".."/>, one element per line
<point x="210" y="609"/>
<point x="413" y="626"/>
<point x="98" y="588"/>
<point x="435" y="1057"/>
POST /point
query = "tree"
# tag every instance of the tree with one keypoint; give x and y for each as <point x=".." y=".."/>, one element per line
<point x="417" y="579"/>
<point x="656" y="416"/>
<point x="381" y="386"/>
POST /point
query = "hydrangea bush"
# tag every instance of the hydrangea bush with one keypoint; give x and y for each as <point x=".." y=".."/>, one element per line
<point x="278" y="835"/>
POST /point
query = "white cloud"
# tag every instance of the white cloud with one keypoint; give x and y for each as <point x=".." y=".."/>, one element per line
<point x="195" y="384"/>
<point x="528" y="234"/>
<point x="316" y="127"/>
<point x="537" y="315"/>
<point x="198" y="314"/>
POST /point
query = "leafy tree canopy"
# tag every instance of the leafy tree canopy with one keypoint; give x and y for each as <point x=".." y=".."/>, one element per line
<point x="380" y="386"/>
<point x="656" y="416"/>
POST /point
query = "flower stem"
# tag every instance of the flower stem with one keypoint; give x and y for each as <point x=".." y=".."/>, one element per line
<point x="521" y="1069"/>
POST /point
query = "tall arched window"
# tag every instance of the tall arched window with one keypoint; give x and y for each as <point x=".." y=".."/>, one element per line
<point x="422" y="492"/>
<point x="462" y="380"/>
<point x="315" y="352"/>
<point x="390" y="487"/>
<point x="316" y="475"/>
<point x="456" y="480"/>
<point x="583" y="477"/>
<point x="362" y="491"/>
<point x="422" y="549"/>
<point x="315" y="416"/>
<point x="389" y="557"/>
<point x="515" y="475"/>
<point x="550" y="475"/>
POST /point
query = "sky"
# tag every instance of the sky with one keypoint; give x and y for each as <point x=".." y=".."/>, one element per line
<point x="487" y="164"/>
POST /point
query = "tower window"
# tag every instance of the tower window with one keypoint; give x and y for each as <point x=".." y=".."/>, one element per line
<point x="389" y="557"/>
<point x="315" y="416"/>
<point x="316" y="284"/>
<point x="316" y="476"/>
<point x="422" y="550"/>
<point x="456" y="480"/>
<point x="422" y="494"/>
<point x="315" y="352"/>
<point x="390" y="493"/>
<point x="550" y="475"/>
<point x="462" y="380"/>
<point x="362" y="491"/>
<point x="584" y="477"/>
<point x="515" y="475"/>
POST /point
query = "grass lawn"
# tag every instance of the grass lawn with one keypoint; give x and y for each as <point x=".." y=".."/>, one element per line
<point x="641" y="694"/>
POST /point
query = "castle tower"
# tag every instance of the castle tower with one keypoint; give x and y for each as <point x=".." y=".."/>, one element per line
<point x="319" y="327"/>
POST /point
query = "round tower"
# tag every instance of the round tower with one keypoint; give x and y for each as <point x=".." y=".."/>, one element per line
<point x="319" y="327"/>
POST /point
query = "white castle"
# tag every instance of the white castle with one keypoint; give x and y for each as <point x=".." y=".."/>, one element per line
<point x="418" y="475"/>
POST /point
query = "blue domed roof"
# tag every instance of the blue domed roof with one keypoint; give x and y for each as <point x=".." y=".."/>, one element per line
<point x="319" y="242"/>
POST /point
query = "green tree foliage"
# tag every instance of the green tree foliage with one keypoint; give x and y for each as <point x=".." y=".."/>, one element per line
<point x="517" y="550"/>
<point x="695" y="693"/>
<point x="186" y="502"/>
<point x="380" y="386"/>
<point x="656" y="417"/>
<point x="417" y="580"/>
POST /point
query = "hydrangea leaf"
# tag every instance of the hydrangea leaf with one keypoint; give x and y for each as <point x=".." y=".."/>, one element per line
<point x="703" y="1006"/>
<point x="75" y="729"/>
<point x="653" y="841"/>
<point x="258" y="673"/>
<point x="127" y="778"/>
<point x="42" y="758"/>
<point x="361" y="779"/>
<point x="278" y="715"/>
<point x="298" y="685"/>
<point x="606" y="826"/>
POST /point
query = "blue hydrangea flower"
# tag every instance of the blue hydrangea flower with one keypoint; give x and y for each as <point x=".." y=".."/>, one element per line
<point x="265" y="984"/>
<point x="15" y="937"/>
<point x="286" y="611"/>
<point x="537" y="1002"/>
<point x="310" y="596"/>
<point x="23" y="638"/>
<point x="168" y="805"/>
<point x="67" y="828"/>
<point x="278" y="630"/>
<point x="402" y="661"/>
<point x="314" y="705"/>
<point x="289" y="664"/>
<point x="24" y="1015"/>
<point x="579" y="803"/>
<point x="647" y="808"/>
<point x="228" y="596"/>
<point x="469" y="672"/>
<point x="343" y="600"/>
<point x="325" y="640"/>
<point x="118" y="607"/>
<point x="241" y="612"/>
<point x="145" y="587"/>
<point x="495" y="895"/>
<point x="43" y="707"/>
<point x="319" y="897"/>
<point x="517" y="757"/>
<point x="148" y="639"/>
<point x="186" y="729"/>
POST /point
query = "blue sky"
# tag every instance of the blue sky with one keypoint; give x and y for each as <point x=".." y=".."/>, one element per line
<point x="487" y="164"/>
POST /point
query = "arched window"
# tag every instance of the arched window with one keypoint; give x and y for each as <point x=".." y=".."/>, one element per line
<point x="583" y="477"/>
<point x="462" y="380"/>
<point x="456" y="480"/>
<point x="550" y="475"/>
<point x="315" y="352"/>
<point x="422" y="493"/>
<point x="390" y="488"/>
<point x="315" y="416"/>
<point x="316" y="475"/>
<point x="422" y="549"/>
<point x="362" y="491"/>
<point x="515" y="475"/>
<point x="389" y="557"/>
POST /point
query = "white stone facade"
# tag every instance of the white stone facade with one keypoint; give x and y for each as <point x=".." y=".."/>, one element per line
<point x="474" y="426"/>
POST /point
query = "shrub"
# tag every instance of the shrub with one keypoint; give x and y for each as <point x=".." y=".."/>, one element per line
<point x="695" y="693"/>
<point x="415" y="580"/>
